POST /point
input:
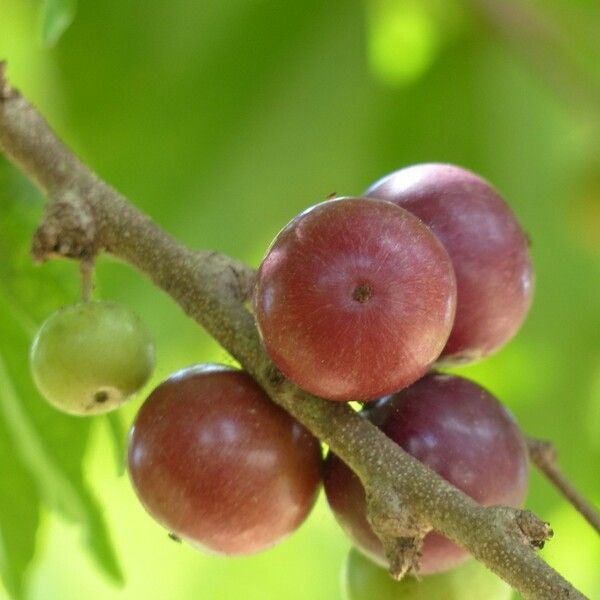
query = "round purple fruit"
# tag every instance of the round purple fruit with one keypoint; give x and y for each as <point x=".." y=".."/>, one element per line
<point x="456" y="428"/>
<point x="220" y="465"/>
<point x="355" y="299"/>
<point x="488" y="248"/>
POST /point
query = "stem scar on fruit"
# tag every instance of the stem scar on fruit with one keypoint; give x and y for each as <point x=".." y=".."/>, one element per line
<point x="101" y="396"/>
<point x="362" y="292"/>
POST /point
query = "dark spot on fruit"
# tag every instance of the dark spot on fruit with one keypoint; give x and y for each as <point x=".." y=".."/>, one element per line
<point x="174" y="537"/>
<point x="362" y="292"/>
<point x="100" y="397"/>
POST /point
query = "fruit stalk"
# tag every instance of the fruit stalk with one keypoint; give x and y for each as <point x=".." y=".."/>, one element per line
<point x="85" y="215"/>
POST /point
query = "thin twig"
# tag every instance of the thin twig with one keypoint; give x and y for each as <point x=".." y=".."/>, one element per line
<point x="544" y="456"/>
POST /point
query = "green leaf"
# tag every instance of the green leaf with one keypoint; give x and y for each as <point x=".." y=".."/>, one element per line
<point x="49" y="444"/>
<point x="26" y="441"/>
<point x="52" y="445"/>
<point x="56" y="16"/>
<point x="19" y="517"/>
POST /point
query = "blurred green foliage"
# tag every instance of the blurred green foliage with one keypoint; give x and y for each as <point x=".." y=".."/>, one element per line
<point x="55" y="18"/>
<point x="223" y="120"/>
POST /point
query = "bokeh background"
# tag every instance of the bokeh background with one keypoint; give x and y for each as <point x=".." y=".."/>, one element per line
<point x="224" y="119"/>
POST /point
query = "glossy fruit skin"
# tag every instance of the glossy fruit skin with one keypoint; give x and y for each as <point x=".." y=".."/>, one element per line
<point x="488" y="248"/>
<point x="459" y="430"/>
<point x="355" y="299"/>
<point x="217" y="463"/>
<point x="364" y="580"/>
<point x="89" y="358"/>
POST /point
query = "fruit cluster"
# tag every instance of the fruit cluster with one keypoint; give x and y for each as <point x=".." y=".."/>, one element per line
<point x="357" y="299"/>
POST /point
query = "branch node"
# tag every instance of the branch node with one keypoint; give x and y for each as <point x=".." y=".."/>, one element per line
<point x="536" y="531"/>
<point x="404" y="555"/>
<point x="68" y="230"/>
<point x="399" y="531"/>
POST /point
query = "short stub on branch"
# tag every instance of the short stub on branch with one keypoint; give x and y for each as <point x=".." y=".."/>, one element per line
<point x="535" y="530"/>
<point x="404" y="555"/>
<point x="400" y="533"/>
<point x="524" y="526"/>
<point x="67" y="230"/>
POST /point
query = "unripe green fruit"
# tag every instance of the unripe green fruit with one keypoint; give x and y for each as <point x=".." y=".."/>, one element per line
<point x="89" y="358"/>
<point x="364" y="580"/>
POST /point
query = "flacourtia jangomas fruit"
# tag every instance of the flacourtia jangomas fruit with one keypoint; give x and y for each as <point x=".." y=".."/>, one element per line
<point x="89" y="358"/>
<point x="355" y="299"/>
<point x="488" y="248"/>
<point x="456" y="428"/>
<point x="220" y="465"/>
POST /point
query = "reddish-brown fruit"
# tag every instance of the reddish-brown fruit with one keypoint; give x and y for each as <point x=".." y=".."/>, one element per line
<point x="488" y="248"/>
<point x="355" y="299"/>
<point x="218" y="464"/>
<point x="456" y="428"/>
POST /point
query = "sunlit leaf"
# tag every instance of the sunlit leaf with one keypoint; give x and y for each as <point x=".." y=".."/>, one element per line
<point x="19" y="516"/>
